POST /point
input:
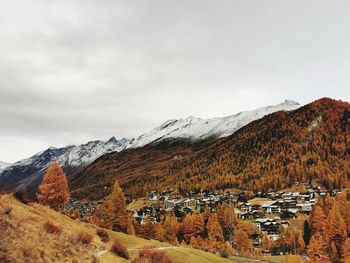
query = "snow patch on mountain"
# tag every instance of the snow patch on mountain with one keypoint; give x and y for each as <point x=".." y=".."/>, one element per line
<point x="197" y="128"/>
<point x="28" y="170"/>
<point x="4" y="165"/>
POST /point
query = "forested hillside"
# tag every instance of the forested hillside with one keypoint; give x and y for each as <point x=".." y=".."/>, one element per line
<point x="312" y="142"/>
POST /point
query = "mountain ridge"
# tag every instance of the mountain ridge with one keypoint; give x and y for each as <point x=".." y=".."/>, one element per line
<point x="310" y="143"/>
<point x="28" y="172"/>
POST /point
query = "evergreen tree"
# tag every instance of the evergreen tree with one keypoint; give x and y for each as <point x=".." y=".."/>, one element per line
<point x="307" y="232"/>
<point x="53" y="190"/>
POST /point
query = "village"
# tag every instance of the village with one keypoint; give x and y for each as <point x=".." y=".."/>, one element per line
<point x="268" y="212"/>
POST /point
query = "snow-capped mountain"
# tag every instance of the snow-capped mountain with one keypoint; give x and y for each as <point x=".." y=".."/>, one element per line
<point x="198" y="128"/>
<point x="3" y="165"/>
<point x="29" y="171"/>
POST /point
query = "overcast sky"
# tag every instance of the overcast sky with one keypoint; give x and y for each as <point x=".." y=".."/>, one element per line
<point x="73" y="71"/>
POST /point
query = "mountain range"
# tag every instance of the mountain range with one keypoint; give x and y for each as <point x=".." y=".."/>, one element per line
<point x="309" y="144"/>
<point x="28" y="172"/>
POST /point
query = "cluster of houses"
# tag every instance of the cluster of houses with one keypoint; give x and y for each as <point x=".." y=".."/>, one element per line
<point x="269" y="214"/>
<point x="85" y="208"/>
<point x="269" y="211"/>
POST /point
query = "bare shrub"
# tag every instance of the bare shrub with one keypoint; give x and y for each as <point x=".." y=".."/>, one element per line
<point x="84" y="238"/>
<point x="51" y="228"/>
<point x="152" y="256"/>
<point x="103" y="234"/>
<point x="120" y="250"/>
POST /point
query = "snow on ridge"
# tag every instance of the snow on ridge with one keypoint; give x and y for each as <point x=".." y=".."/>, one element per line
<point x="69" y="156"/>
<point x="191" y="128"/>
<point x="4" y="165"/>
<point x="198" y="128"/>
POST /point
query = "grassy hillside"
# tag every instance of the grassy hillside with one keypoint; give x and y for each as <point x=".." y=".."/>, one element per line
<point x="25" y="237"/>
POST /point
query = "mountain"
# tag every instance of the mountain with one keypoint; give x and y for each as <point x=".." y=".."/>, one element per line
<point x="28" y="172"/>
<point x="35" y="233"/>
<point x="309" y="143"/>
<point x="198" y="129"/>
<point x="3" y="165"/>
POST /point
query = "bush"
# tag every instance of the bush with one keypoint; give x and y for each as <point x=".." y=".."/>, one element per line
<point x="84" y="238"/>
<point x="21" y="195"/>
<point x="120" y="250"/>
<point x="152" y="256"/>
<point x="103" y="234"/>
<point x="52" y="228"/>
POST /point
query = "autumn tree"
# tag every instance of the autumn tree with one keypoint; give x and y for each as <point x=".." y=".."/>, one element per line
<point x="346" y="251"/>
<point x="193" y="242"/>
<point x="147" y="230"/>
<point x="113" y="215"/>
<point x="53" y="190"/>
<point x="171" y="227"/>
<point x="336" y="229"/>
<point x="318" y="222"/>
<point x="316" y="250"/>
<point x="214" y="230"/>
<point x="159" y="233"/>
<point x="344" y="208"/>
<point x="243" y="243"/>
<point x="266" y="242"/>
<point x="227" y="220"/>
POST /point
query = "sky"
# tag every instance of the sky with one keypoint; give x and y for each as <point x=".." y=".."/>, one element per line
<point x="78" y="70"/>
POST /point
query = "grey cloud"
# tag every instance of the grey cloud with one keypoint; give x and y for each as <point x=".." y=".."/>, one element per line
<point x="78" y="70"/>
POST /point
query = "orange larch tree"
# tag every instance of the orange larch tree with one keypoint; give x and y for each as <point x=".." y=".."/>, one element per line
<point x="171" y="227"/>
<point x="337" y="231"/>
<point x="214" y="230"/>
<point x="54" y="191"/>
<point x="316" y="250"/>
<point x="113" y="215"/>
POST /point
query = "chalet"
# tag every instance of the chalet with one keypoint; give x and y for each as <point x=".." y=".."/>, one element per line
<point x="271" y="207"/>
<point x="269" y="227"/>
<point x="169" y="204"/>
<point x="189" y="202"/>
<point x="305" y="207"/>
<point x="153" y="196"/>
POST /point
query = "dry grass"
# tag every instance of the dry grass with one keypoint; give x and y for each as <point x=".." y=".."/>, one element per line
<point x="25" y="239"/>
<point x="258" y="201"/>
<point x="26" y="235"/>
<point x="137" y="204"/>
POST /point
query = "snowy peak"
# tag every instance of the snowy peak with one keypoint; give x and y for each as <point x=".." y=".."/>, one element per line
<point x="86" y="153"/>
<point x="197" y="128"/>
<point x="4" y="165"/>
<point x="30" y="170"/>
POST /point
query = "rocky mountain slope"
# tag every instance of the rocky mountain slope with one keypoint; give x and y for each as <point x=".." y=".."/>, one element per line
<point x="3" y="165"/>
<point x="28" y="172"/>
<point x="310" y="143"/>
